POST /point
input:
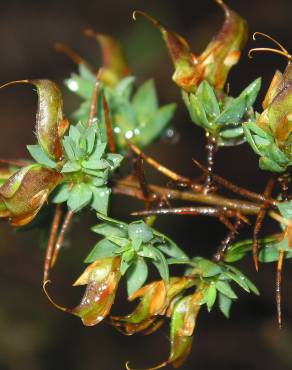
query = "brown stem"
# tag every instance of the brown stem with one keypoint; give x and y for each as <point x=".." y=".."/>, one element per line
<point x="221" y="214"/>
<point x="92" y="109"/>
<point x="211" y="149"/>
<point x="284" y="181"/>
<point x="14" y="162"/>
<point x="72" y="55"/>
<point x="109" y="127"/>
<point x="164" y="170"/>
<point x="219" y="255"/>
<point x="60" y="240"/>
<point x="51" y="242"/>
<point x="234" y="188"/>
<point x="131" y="188"/>
<point x="140" y="174"/>
<point x="259" y="221"/>
<point x="278" y="287"/>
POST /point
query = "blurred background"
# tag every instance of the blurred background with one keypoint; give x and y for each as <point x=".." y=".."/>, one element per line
<point x="33" y="334"/>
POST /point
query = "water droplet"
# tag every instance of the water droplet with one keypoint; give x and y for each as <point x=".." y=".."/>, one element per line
<point x="129" y="134"/>
<point x="73" y="85"/>
<point x="171" y="136"/>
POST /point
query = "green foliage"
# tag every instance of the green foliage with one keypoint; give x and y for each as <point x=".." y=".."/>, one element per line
<point x="137" y="244"/>
<point x="136" y="117"/>
<point x="222" y="117"/>
<point x="73" y="166"/>
<point x="272" y="158"/>
<point x="86" y="170"/>
<point x="215" y="282"/>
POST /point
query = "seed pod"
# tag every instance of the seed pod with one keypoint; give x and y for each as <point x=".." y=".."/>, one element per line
<point x="114" y="62"/>
<point x="155" y="299"/>
<point x="102" y="278"/>
<point x="276" y="119"/>
<point x="24" y="193"/>
<point x="183" y="321"/>
<point x="214" y="64"/>
<point x="50" y="125"/>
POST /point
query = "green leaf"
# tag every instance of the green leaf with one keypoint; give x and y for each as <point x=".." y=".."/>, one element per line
<point x="250" y="139"/>
<point x="125" y="87"/>
<point x="90" y="139"/>
<point x="169" y="247"/>
<point x="82" y="87"/>
<point x="69" y="147"/>
<point x="71" y="167"/>
<point x="210" y="296"/>
<point x="115" y="160"/>
<point x="225" y="305"/>
<point x="206" y="267"/>
<point x="127" y="259"/>
<point x="235" y="110"/>
<point x="40" y="156"/>
<point x="74" y="134"/>
<point x="269" y="254"/>
<point x="241" y="280"/>
<point x="251" y="92"/>
<point x="232" y="133"/>
<point x="109" y="229"/>
<point x="208" y="99"/>
<point x="161" y="264"/>
<point x="256" y="129"/>
<point x="285" y="209"/>
<point x="252" y="286"/>
<point x="100" y="199"/>
<point x="95" y="164"/>
<point x="178" y="261"/>
<point x="103" y="249"/>
<point x="86" y="73"/>
<point x="197" y="112"/>
<point x="139" y="230"/>
<point x="268" y="164"/>
<point x="148" y="251"/>
<point x="225" y="289"/>
<point x="237" y="280"/>
<point x="106" y="218"/>
<point x="62" y="194"/>
<point x="98" y="151"/>
<point x="145" y="100"/>
<point x="136" y="275"/>
<point x="80" y="196"/>
<point x="238" y="250"/>
<point x="120" y="241"/>
<point x="155" y="125"/>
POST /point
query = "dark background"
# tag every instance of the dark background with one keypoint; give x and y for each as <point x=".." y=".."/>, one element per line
<point x="34" y="335"/>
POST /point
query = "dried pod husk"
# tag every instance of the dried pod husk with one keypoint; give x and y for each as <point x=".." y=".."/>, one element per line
<point x="183" y="321"/>
<point x="214" y="64"/>
<point x="155" y="299"/>
<point x="50" y="122"/>
<point x="224" y="50"/>
<point x="25" y="192"/>
<point x="276" y="118"/>
<point x="102" y="278"/>
<point x="114" y="62"/>
<point x="270" y="136"/>
<point x="6" y="173"/>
